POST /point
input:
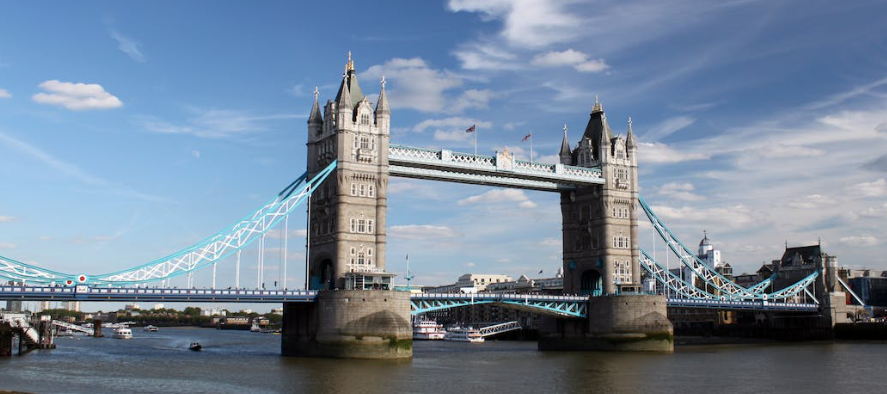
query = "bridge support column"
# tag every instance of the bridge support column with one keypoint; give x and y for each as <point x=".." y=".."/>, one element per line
<point x="368" y="324"/>
<point x="615" y="323"/>
<point x="5" y="340"/>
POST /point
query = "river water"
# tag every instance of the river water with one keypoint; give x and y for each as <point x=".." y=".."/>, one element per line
<point x="245" y="362"/>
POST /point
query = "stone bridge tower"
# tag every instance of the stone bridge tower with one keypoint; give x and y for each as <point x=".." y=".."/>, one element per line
<point x="600" y="222"/>
<point x="347" y="215"/>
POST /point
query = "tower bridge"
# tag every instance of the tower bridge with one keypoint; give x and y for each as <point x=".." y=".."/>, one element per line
<point x="348" y="311"/>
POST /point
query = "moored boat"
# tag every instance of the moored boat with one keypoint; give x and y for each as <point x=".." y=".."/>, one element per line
<point x="428" y="329"/>
<point x="461" y="334"/>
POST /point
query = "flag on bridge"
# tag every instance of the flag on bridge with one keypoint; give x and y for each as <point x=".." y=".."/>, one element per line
<point x="526" y="137"/>
<point x="540" y="272"/>
<point x="471" y="129"/>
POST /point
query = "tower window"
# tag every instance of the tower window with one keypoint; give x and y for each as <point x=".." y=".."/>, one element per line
<point x="365" y="119"/>
<point x="364" y="142"/>
<point x="363" y="190"/>
<point x="371" y="191"/>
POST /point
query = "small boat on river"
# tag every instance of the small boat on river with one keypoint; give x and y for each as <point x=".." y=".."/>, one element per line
<point x="195" y="346"/>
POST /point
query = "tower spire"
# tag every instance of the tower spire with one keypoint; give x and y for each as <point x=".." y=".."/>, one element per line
<point x="566" y="154"/>
<point x="343" y="101"/>
<point x="629" y="140"/>
<point x="597" y="106"/>
<point x="315" y="116"/>
<point x="382" y="104"/>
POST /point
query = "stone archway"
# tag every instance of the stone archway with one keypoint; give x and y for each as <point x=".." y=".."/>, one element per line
<point x="591" y="283"/>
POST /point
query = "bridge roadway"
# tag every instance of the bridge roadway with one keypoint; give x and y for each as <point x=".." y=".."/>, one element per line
<point x="567" y="305"/>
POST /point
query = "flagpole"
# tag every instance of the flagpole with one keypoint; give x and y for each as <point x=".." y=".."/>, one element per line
<point x="475" y="142"/>
<point x="531" y="145"/>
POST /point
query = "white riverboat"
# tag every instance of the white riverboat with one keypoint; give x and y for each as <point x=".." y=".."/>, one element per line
<point x="123" y="333"/>
<point x="427" y="329"/>
<point x="150" y="328"/>
<point x="461" y="334"/>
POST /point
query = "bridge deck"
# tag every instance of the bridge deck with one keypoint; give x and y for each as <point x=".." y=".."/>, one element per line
<point x="566" y="305"/>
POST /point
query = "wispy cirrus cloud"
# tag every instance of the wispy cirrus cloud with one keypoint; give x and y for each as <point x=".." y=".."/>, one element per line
<point x="76" y="96"/>
<point x="421" y="232"/>
<point x="214" y="123"/>
<point x="128" y="46"/>
<point x="73" y="171"/>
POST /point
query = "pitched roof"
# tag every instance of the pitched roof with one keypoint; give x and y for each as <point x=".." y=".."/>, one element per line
<point x="806" y="254"/>
<point x="350" y="80"/>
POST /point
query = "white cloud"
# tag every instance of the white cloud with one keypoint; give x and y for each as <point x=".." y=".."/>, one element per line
<point x="736" y="216"/>
<point x="550" y="242"/>
<point x="659" y="153"/>
<point x="512" y="125"/>
<point x="214" y="123"/>
<point x="76" y="96"/>
<point x="278" y="234"/>
<point x="680" y="191"/>
<point x="496" y="196"/>
<point x="526" y="23"/>
<point x="415" y="85"/>
<point x="569" y="57"/>
<point x="812" y="201"/>
<point x="486" y="56"/>
<point x="471" y="99"/>
<point x="876" y="188"/>
<point x="470" y="264"/>
<point x="7" y="245"/>
<point x="5" y="93"/>
<point x="128" y="46"/>
<point x="7" y="219"/>
<point x="667" y="128"/>
<point x="195" y="154"/>
<point x="451" y="129"/>
<point x="859" y="240"/>
<point x="421" y="232"/>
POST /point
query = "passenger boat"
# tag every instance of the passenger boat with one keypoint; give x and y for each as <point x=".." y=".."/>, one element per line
<point x="150" y="328"/>
<point x="195" y="346"/>
<point x="460" y="334"/>
<point x="123" y="333"/>
<point x="427" y="329"/>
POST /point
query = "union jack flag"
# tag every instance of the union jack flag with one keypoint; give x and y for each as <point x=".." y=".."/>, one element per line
<point x="471" y="129"/>
<point x="526" y="137"/>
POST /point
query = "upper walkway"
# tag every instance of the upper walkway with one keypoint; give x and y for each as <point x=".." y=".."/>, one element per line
<point x="500" y="170"/>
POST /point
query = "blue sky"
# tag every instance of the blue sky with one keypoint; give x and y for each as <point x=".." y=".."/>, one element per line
<point x="130" y="130"/>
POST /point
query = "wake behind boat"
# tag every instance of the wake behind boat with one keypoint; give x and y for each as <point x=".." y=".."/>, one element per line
<point x="195" y="346"/>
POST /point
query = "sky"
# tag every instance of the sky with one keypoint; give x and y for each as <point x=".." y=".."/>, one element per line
<point x="129" y="130"/>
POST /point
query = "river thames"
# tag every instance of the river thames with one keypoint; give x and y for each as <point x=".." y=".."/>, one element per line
<point x="245" y="362"/>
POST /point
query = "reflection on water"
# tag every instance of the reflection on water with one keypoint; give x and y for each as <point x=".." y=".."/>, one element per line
<point x="244" y="362"/>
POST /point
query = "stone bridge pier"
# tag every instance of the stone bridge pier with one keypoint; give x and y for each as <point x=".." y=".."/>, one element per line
<point x="369" y="324"/>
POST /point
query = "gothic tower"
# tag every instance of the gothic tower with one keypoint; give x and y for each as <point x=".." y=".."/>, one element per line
<point x="347" y="212"/>
<point x="600" y="222"/>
